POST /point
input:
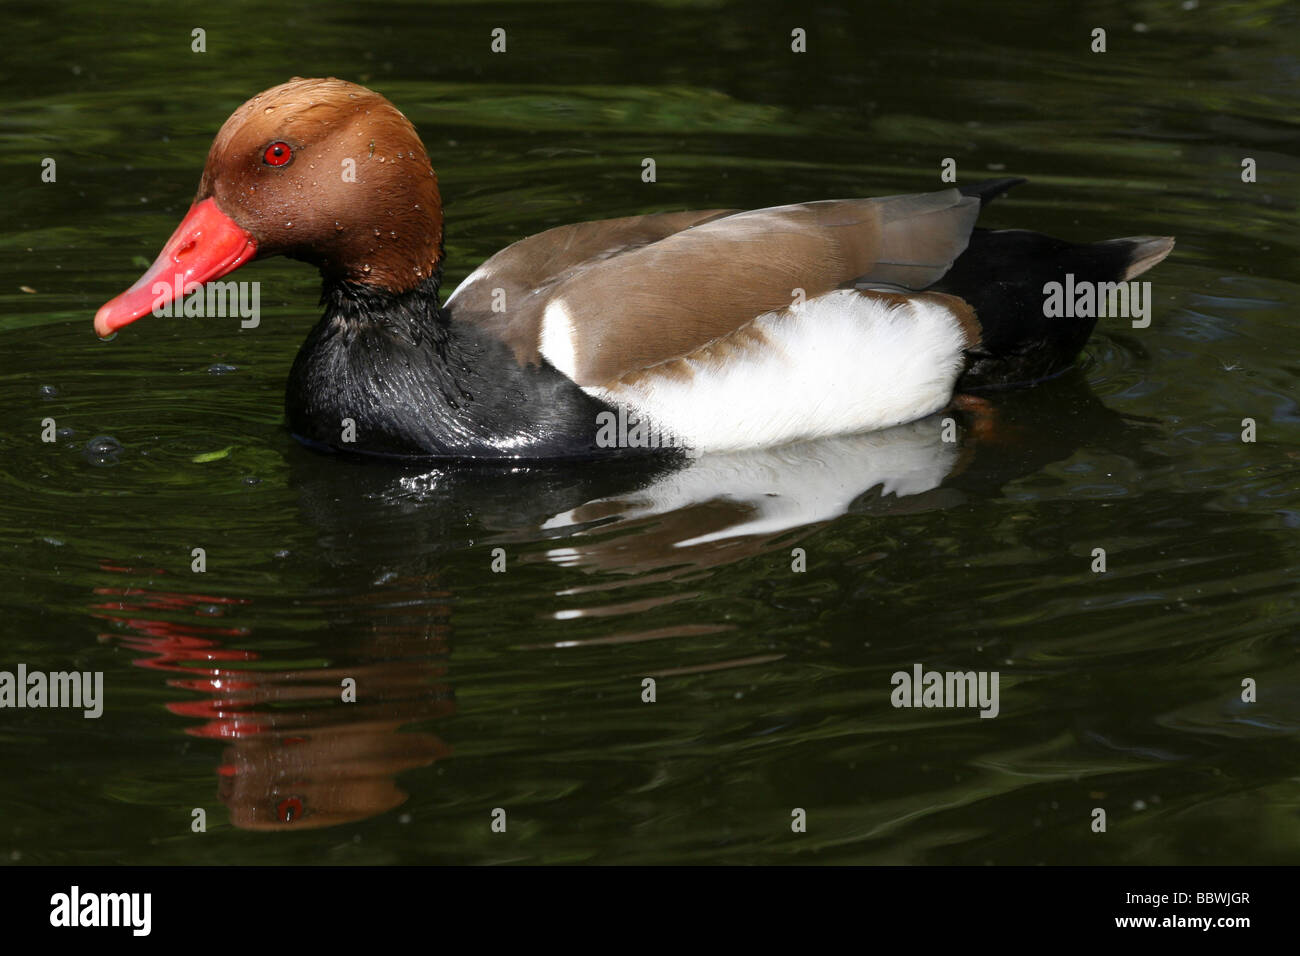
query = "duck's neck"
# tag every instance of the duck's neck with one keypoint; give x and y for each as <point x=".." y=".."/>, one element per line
<point x="414" y="316"/>
<point x="387" y="373"/>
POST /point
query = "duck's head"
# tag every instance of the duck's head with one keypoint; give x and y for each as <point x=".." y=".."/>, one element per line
<point x="320" y="170"/>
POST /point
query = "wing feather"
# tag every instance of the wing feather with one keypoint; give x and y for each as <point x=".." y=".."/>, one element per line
<point x="622" y="295"/>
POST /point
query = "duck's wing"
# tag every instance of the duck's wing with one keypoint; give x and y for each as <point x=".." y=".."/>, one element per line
<point x="599" y="307"/>
<point x="527" y="268"/>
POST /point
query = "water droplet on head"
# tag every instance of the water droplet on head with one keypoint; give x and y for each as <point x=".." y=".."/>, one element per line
<point x="366" y="267"/>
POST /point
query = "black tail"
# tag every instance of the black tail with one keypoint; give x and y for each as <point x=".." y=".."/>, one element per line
<point x="1003" y="273"/>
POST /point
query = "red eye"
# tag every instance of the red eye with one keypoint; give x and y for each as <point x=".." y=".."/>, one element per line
<point x="289" y="810"/>
<point x="277" y="154"/>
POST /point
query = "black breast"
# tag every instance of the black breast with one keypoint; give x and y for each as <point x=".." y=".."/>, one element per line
<point x="397" y="377"/>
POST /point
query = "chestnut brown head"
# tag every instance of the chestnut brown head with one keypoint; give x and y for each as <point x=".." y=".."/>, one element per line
<point x="316" y="169"/>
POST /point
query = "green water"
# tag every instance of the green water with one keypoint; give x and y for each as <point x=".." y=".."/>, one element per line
<point x="522" y="690"/>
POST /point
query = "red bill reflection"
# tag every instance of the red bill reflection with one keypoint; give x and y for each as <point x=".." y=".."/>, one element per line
<point x="297" y="755"/>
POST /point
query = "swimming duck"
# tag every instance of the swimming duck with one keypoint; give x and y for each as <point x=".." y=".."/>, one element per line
<point x="704" y="331"/>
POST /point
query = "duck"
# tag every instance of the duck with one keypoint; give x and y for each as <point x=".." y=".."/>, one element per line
<point x="680" y="332"/>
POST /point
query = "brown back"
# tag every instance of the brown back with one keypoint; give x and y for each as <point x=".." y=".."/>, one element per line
<point x="648" y="289"/>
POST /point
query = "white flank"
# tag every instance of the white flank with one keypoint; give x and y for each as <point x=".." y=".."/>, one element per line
<point x="843" y="362"/>
<point x="557" y="338"/>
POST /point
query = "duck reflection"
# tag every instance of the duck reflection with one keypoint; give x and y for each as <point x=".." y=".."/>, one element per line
<point x="722" y="508"/>
<point x="298" y="756"/>
<point x="756" y="494"/>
